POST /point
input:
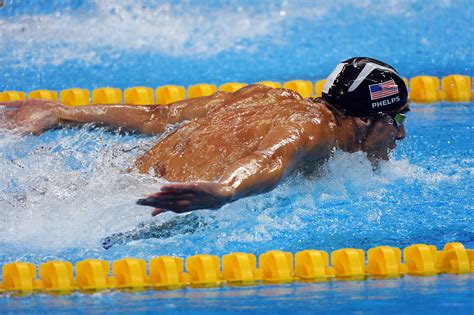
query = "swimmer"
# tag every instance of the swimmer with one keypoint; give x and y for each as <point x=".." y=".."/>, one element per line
<point x="234" y="145"/>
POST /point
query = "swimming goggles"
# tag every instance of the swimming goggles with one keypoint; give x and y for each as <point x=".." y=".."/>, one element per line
<point x="399" y="118"/>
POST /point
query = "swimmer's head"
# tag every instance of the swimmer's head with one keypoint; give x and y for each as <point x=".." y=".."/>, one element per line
<point x="363" y="87"/>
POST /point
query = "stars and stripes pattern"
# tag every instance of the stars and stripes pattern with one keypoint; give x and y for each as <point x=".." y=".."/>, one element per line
<point x="383" y="89"/>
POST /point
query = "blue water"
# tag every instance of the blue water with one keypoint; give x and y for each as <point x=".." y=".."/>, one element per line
<point x="61" y="193"/>
<point x="89" y="44"/>
<point x="433" y="295"/>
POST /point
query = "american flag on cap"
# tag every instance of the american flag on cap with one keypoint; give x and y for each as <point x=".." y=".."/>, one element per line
<point x="384" y="89"/>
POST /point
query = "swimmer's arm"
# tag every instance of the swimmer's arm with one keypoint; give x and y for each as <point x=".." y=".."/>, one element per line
<point x="143" y="119"/>
<point x="280" y="152"/>
<point x="192" y="108"/>
<point x="29" y="116"/>
<point x="38" y="115"/>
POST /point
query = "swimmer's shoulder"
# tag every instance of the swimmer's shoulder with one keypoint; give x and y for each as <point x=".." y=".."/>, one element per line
<point x="260" y="89"/>
<point x="317" y="105"/>
<point x="311" y="113"/>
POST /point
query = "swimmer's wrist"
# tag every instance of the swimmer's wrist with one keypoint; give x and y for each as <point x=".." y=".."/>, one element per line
<point x="227" y="193"/>
<point x="60" y="113"/>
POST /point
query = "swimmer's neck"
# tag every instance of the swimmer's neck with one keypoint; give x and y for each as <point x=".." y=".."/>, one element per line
<point x="349" y="131"/>
<point x="349" y="135"/>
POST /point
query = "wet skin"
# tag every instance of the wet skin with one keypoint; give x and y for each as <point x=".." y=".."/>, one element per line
<point x="230" y="146"/>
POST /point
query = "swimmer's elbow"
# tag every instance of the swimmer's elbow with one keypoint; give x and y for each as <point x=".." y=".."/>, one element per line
<point x="154" y="124"/>
<point x="258" y="173"/>
<point x="152" y="128"/>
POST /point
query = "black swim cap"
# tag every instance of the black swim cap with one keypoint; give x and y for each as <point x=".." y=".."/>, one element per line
<point x="364" y="86"/>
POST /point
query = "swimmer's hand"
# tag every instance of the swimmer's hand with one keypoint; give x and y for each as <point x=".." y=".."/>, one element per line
<point x="32" y="116"/>
<point x="186" y="197"/>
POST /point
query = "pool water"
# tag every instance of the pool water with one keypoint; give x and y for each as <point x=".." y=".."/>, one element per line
<point x="434" y="295"/>
<point x="65" y="191"/>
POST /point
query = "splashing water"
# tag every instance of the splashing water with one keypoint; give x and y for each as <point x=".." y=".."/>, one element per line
<point x="91" y="43"/>
<point x="65" y="191"/>
<point x="68" y="189"/>
<point x="176" y="29"/>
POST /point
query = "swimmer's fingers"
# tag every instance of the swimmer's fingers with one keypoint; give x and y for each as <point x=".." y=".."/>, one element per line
<point x="13" y="104"/>
<point x="8" y="114"/>
<point x="173" y="204"/>
<point x="179" y="204"/>
<point x="34" y="116"/>
<point x="7" y="119"/>
<point x="186" y="197"/>
<point x="197" y="188"/>
<point x="182" y="188"/>
<point x="169" y="193"/>
<point x="168" y="197"/>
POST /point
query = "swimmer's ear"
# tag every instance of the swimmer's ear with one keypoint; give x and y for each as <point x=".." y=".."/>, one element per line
<point x="363" y="122"/>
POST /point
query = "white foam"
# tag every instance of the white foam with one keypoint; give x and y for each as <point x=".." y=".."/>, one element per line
<point x="131" y="26"/>
<point x="55" y="196"/>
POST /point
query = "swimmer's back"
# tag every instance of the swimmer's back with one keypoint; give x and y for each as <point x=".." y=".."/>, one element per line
<point x="203" y="148"/>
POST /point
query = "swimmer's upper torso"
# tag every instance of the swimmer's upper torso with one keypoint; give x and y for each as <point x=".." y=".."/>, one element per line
<point x="203" y="148"/>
